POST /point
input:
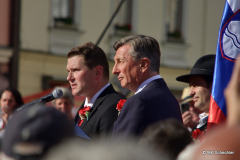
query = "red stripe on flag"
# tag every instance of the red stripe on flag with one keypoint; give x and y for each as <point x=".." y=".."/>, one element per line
<point x="216" y="116"/>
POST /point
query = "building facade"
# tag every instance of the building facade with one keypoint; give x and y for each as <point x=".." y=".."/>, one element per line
<point x="185" y="30"/>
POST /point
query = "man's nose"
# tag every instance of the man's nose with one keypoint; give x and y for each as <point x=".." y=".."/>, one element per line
<point x="8" y="103"/>
<point x="69" y="77"/>
<point x="114" y="70"/>
<point x="192" y="91"/>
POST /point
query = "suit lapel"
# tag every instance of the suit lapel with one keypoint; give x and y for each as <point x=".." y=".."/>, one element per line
<point x="98" y="102"/>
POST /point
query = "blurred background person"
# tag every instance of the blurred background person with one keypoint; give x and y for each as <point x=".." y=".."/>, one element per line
<point x="66" y="103"/>
<point x="33" y="130"/>
<point x="222" y="143"/>
<point x="169" y="137"/>
<point x="232" y="96"/>
<point x="190" y="114"/>
<point x="10" y="100"/>
<point x="72" y="149"/>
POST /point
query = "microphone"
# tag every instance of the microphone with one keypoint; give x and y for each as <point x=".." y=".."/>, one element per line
<point x="56" y="94"/>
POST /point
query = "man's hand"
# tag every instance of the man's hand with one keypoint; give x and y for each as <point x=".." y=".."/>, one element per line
<point x="232" y="96"/>
<point x="187" y="119"/>
<point x="190" y="118"/>
<point x="5" y="118"/>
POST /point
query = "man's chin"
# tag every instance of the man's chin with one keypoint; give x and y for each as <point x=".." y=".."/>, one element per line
<point x="196" y="106"/>
<point x="124" y="85"/>
<point x="6" y="110"/>
<point x="78" y="94"/>
<point x="75" y="93"/>
<point x="200" y="108"/>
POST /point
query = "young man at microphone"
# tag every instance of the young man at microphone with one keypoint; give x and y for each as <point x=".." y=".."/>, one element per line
<point x="88" y="75"/>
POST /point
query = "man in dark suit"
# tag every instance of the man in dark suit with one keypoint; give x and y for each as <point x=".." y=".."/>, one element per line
<point x="137" y="63"/>
<point x="88" y="75"/>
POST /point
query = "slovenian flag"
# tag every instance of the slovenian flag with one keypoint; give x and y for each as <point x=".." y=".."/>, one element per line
<point x="227" y="49"/>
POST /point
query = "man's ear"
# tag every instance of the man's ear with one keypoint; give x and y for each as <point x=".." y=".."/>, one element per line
<point x="98" y="71"/>
<point x="144" y="64"/>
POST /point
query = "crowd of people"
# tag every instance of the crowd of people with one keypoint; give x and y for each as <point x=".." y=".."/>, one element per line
<point x="151" y="124"/>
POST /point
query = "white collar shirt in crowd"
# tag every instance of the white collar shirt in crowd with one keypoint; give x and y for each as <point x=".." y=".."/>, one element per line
<point x="91" y="102"/>
<point x="142" y="85"/>
<point x="203" y="119"/>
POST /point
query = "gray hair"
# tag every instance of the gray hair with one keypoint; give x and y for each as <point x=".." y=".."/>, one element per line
<point x="142" y="46"/>
<point x="66" y="94"/>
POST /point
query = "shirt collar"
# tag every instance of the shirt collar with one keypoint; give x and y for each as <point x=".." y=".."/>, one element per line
<point x="90" y="104"/>
<point x="142" y="85"/>
<point x="202" y="115"/>
<point x="203" y="119"/>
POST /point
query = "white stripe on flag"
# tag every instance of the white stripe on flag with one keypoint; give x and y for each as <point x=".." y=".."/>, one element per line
<point x="234" y="4"/>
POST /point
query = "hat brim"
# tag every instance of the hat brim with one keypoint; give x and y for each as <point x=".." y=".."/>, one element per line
<point x="185" y="78"/>
<point x="187" y="100"/>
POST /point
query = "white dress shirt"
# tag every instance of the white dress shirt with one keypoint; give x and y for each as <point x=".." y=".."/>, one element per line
<point x="91" y="102"/>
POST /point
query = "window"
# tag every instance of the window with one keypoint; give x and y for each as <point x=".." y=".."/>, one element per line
<point x="63" y="13"/>
<point x="124" y="17"/>
<point x="64" y="25"/>
<point x="174" y="48"/>
<point x="174" y="20"/>
<point x="51" y="82"/>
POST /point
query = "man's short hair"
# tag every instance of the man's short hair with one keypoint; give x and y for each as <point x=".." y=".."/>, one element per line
<point x="93" y="56"/>
<point x="168" y="136"/>
<point x="142" y="46"/>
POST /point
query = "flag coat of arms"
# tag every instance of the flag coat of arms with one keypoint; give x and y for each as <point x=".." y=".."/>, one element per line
<point x="228" y="47"/>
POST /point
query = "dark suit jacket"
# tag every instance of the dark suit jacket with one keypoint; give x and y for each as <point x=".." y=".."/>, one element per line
<point x="154" y="103"/>
<point x="103" y="114"/>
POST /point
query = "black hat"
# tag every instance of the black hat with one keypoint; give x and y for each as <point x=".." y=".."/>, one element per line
<point x="33" y="130"/>
<point x="204" y="66"/>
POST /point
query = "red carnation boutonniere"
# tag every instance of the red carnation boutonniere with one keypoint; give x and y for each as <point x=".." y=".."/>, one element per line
<point x="198" y="135"/>
<point x="120" y="105"/>
<point x="83" y="114"/>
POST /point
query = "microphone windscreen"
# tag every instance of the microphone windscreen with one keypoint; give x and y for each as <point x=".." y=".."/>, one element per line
<point x="57" y="93"/>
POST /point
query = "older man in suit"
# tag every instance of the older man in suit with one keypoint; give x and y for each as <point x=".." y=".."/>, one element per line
<point x="88" y="75"/>
<point x="137" y="63"/>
